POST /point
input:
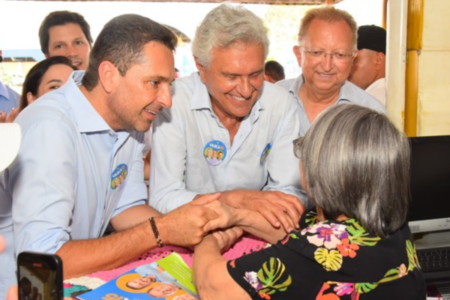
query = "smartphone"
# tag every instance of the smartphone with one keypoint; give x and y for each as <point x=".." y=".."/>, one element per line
<point x="40" y="276"/>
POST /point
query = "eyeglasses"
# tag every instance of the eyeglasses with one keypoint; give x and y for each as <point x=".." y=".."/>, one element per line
<point x="298" y="144"/>
<point x="337" y="56"/>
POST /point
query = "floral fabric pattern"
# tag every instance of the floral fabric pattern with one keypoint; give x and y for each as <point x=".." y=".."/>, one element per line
<point x="336" y="248"/>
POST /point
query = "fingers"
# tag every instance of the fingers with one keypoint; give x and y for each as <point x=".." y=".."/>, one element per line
<point x="13" y="293"/>
<point x="226" y="238"/>
<point x="2" y="117"/>
<point x="210" y="214"/>
<point x="292" y="212"/>
<point x="12" y="115"/>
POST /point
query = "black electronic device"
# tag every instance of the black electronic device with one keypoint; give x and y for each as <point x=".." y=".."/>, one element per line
<point x="40" y="276"/>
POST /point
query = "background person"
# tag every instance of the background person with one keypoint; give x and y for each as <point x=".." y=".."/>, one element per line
<point x="227" y="106"/>
<point x="65" y="33"/>
<point x="9" y="101"/>
<point x="273" y="71"/>
<point x="369" y="67"/>
<point x="325" y="52"/>
<point x="355" y="244"/>
<point x="45" y="76"/>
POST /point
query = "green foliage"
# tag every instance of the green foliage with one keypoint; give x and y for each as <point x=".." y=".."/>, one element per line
<point x="270" y="275"/>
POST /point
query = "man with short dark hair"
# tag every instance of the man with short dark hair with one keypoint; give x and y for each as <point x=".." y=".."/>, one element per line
<point x="273" y="71"/>
<point x="80" y="165"/>
<point x="67" y="34"/>
<point x="369" y="66"/>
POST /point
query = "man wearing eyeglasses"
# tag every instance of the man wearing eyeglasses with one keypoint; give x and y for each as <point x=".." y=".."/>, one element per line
<point x="326" y="50"/>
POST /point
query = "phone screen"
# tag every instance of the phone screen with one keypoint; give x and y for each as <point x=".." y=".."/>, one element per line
<point x="39" y="276"/>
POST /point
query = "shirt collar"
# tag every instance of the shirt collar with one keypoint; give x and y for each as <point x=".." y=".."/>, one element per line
<point x="87" y="118"/>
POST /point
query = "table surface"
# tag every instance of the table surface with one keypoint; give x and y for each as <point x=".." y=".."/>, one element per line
<point x="79" y="285"/>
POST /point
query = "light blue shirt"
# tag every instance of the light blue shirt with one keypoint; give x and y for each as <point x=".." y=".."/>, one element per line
<point x="179" y="169"/>
<point x="62" y="185"/>
<point x="349" y="93"/>
<point x="8" y="98"/>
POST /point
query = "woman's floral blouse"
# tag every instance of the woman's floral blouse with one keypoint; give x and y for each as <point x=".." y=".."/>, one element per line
<point x="333" y="260"/>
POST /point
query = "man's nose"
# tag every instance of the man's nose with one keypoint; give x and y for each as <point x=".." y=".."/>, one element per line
<point x="327" y="61"/>
<point x="71" y="51"/>
<point x="165" y="96"/>
<point x="244" y="87"/>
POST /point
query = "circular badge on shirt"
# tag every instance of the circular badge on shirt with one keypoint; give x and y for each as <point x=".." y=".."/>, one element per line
<point x="265" y="153"/>
<point x="118" y="176"/>
<point x="215" y="152"/>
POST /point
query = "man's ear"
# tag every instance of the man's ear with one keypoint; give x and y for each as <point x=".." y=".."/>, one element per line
<point x="107" y="73"/>
<point x="201" y="69"/>
<point x="298" y="54"/>
<point x="380" y="60"/>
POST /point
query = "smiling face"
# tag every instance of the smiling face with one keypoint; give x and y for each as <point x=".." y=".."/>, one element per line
<point x="53" y="79"/>
<point x="140" y="283"/>
<point x="69" y="40"/>
<point x="162" y="290"/>
<point x="323" y="74"/>
<point x="144" y="91"/>
<point x="234" y="79"/>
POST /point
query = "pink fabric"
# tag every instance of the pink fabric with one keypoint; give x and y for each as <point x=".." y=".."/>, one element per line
<point x="244" y="246"/>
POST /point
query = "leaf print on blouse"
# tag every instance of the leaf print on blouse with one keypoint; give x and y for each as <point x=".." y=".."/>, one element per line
<point x="358" y="235"/>
<point x="311" y="218"/>
<point x="328" y="235"/>
<point x="413" y="260"/>
<point x="330" y="260"/>
<point x="271" y="278"/>
<point x="288" y="236"/>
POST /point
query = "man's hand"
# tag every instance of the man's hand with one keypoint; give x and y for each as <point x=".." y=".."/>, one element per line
<point x="184" y="226"/>
<point x="278" y="208"/>
<point x="227" y="216"/>
<point x="9" y="118"/>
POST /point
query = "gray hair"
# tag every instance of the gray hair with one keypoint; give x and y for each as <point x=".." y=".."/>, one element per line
<point x="329" y="14"/>
<point x="356" y="163"/>
<point x="224" y="26"/>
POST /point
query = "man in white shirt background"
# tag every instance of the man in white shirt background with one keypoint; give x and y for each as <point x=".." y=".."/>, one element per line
<point x="369" y="66"/>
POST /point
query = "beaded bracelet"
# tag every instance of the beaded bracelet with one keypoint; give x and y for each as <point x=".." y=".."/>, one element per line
<point x="155" y="232"/>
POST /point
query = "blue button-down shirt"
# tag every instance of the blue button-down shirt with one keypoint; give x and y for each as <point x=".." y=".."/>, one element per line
<point x="73" y="174"/>
<point x="8" y="98"/>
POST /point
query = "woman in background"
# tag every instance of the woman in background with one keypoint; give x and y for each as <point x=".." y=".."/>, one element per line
<point x="47" y="75"/>
<point x="355" y="244"/>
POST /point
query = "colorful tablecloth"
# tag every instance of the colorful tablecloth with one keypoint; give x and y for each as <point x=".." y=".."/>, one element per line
<point x="77" y="286"/>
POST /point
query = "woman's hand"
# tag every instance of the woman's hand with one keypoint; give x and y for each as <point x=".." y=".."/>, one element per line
<point x="227" y="238"/>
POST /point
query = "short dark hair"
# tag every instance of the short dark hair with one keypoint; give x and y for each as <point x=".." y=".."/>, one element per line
<point x="121" y="42"/>
<point x="34" y="76"/>
<point x="58" y="18"/>
<point x="274" y="69"/>
<point x="356" y="163"/>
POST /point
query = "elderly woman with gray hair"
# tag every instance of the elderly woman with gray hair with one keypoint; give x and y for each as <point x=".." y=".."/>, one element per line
<point x="355" y="244"/>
